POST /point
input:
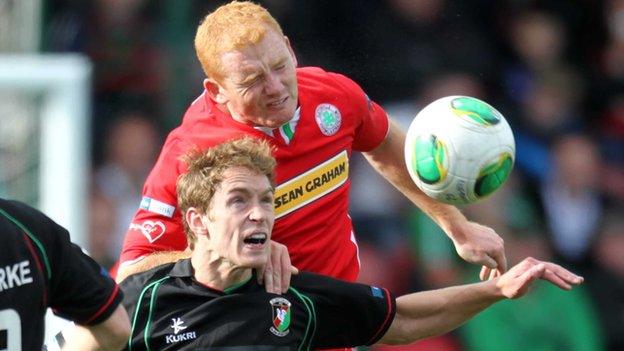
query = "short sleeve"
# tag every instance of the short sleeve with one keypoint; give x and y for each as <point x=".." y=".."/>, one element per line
<point x="348" y="314"/>
<point x="77" y="288"/>
<point x="80" y="289"/>
<point x="372" y="121"/>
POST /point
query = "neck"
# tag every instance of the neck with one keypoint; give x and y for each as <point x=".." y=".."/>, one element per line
<point x="216" y="272"/>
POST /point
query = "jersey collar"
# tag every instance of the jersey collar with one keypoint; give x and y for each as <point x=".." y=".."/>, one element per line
<point x="184" y="269"/>
<point x="286" y="131"/>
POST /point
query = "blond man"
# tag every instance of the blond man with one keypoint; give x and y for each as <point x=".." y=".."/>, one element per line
<point x="211" y="300"/>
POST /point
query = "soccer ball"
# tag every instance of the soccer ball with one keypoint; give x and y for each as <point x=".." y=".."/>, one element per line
<point x="459" y="150"/>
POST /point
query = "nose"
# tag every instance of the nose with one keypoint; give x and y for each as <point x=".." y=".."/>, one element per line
<point x="257" y="213"/>
<point x="273" y="84"/>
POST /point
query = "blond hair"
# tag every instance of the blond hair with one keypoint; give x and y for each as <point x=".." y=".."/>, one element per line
<point x="197" y="186"/>
<point x="231" y="27"/>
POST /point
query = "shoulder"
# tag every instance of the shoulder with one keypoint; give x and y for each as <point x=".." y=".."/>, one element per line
<point x="316" y="77"/>
<point x="135" y="283"/>
<point x="340" y="292"/>
<point x="28" y="219"/>
<point x="313" y="282"/>
<point x="13" y="209"/>
<point x="318" y="86"/>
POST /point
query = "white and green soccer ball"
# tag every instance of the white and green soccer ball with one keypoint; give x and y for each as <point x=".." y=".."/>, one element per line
<point x="459" y="150"/>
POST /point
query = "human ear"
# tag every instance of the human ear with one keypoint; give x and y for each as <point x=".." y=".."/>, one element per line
<point x="215" y="91"/>
<point x="292" y="52"/>
<point x="194" y="219"/>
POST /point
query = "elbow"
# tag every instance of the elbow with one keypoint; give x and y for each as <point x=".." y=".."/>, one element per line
<point x="118" y="339"/>
<point x="403" y="331"/>
<point x="116" y="331"/>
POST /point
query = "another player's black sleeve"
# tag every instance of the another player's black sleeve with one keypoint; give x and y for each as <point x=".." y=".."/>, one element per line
<point x="78" y="288"/>
<point x="347" y="314"/>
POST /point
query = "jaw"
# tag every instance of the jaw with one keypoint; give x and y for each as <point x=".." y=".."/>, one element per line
<point x="253" y="256"/>
<point x="276" y="117"/>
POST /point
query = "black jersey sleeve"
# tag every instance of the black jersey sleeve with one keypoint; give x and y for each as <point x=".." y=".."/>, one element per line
<point x="347" y="314"/>
<point x="78" y="288"/>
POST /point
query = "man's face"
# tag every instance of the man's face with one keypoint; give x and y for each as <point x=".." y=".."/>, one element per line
<point x="260" y="83"/>
<point x="240" y="218"/>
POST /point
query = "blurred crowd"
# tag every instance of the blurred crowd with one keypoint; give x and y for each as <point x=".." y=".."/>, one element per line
<point x="554" y="68"/>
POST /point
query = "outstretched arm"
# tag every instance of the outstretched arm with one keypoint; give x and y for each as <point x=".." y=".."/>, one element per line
<point x="475" y="243"/>
<point x="436" y="312"/>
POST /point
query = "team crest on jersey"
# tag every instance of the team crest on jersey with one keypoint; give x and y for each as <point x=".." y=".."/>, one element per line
<point x="280" y="308"/>
<point x="328" y="118"/>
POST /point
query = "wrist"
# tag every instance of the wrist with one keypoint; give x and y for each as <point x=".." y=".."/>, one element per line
<point x="452" y="221"/>
<point x="494" y="290"/>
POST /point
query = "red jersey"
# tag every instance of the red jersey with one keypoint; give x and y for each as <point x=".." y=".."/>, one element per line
<point x="311" y="198"/>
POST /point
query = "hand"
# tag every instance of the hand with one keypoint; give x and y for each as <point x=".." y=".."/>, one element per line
<point x="517" y="281"/>
<point x="479" y="244"/>
<point x="278" y="269"/>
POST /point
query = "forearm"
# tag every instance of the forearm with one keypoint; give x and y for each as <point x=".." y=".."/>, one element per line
<point x="150" y="261"/>
<point x="429" y="313"/>
<point x="388" y="160"/>
<point x="110" y="335"/>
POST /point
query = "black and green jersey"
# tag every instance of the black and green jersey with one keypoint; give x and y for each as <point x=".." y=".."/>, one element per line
<point x="41" y="268"/>
<point x="169" y="310"/>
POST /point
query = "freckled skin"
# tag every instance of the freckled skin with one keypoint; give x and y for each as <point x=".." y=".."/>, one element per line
<point x="260" y="84"/>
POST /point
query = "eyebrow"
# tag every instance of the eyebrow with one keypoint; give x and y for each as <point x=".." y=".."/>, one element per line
<point x="246" y="190"/>
<point x="255" y="75"/>
<point x="250" y="78"/>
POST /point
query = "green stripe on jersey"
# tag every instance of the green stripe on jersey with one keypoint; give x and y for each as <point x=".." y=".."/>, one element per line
<point x="138" y="308"/>
<point x="32" y="237"/>
<point x="230" y="289"/>
<point x="311" y="325"/>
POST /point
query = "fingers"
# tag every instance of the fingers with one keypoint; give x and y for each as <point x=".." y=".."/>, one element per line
<point x="531" y="275"/>
<point x="276" y="265"/>
<point x="501" y="260"/>
<point x="519" y="285"/>
<point x="485" y="272"/>
<point x="260" y="276"/>
<point x="564" y="274"/>
<point x="489" y="265"/>
<point x="495" y="273"/>
<point x="530" y="269"/>
<point x="560" y="276"/>
<point x="523" y="266"/>
<point x="489" y="262"/>
<point x="269" y="282"/>
<point x="489" y="273"/>
<point x="285" y="271"/>
<point x="268" y="272"/>
<point x="278" y="270"/>
<point x="556" y="280"/>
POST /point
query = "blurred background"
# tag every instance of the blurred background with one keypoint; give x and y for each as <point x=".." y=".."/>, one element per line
<point x="555" y="69"/>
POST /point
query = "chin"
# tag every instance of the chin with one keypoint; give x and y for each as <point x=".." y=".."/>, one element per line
<point x="276" y="121"/>
<point x="253" y="262"/>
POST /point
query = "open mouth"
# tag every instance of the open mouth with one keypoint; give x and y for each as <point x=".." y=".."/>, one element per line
<point x="255" y="239"/>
